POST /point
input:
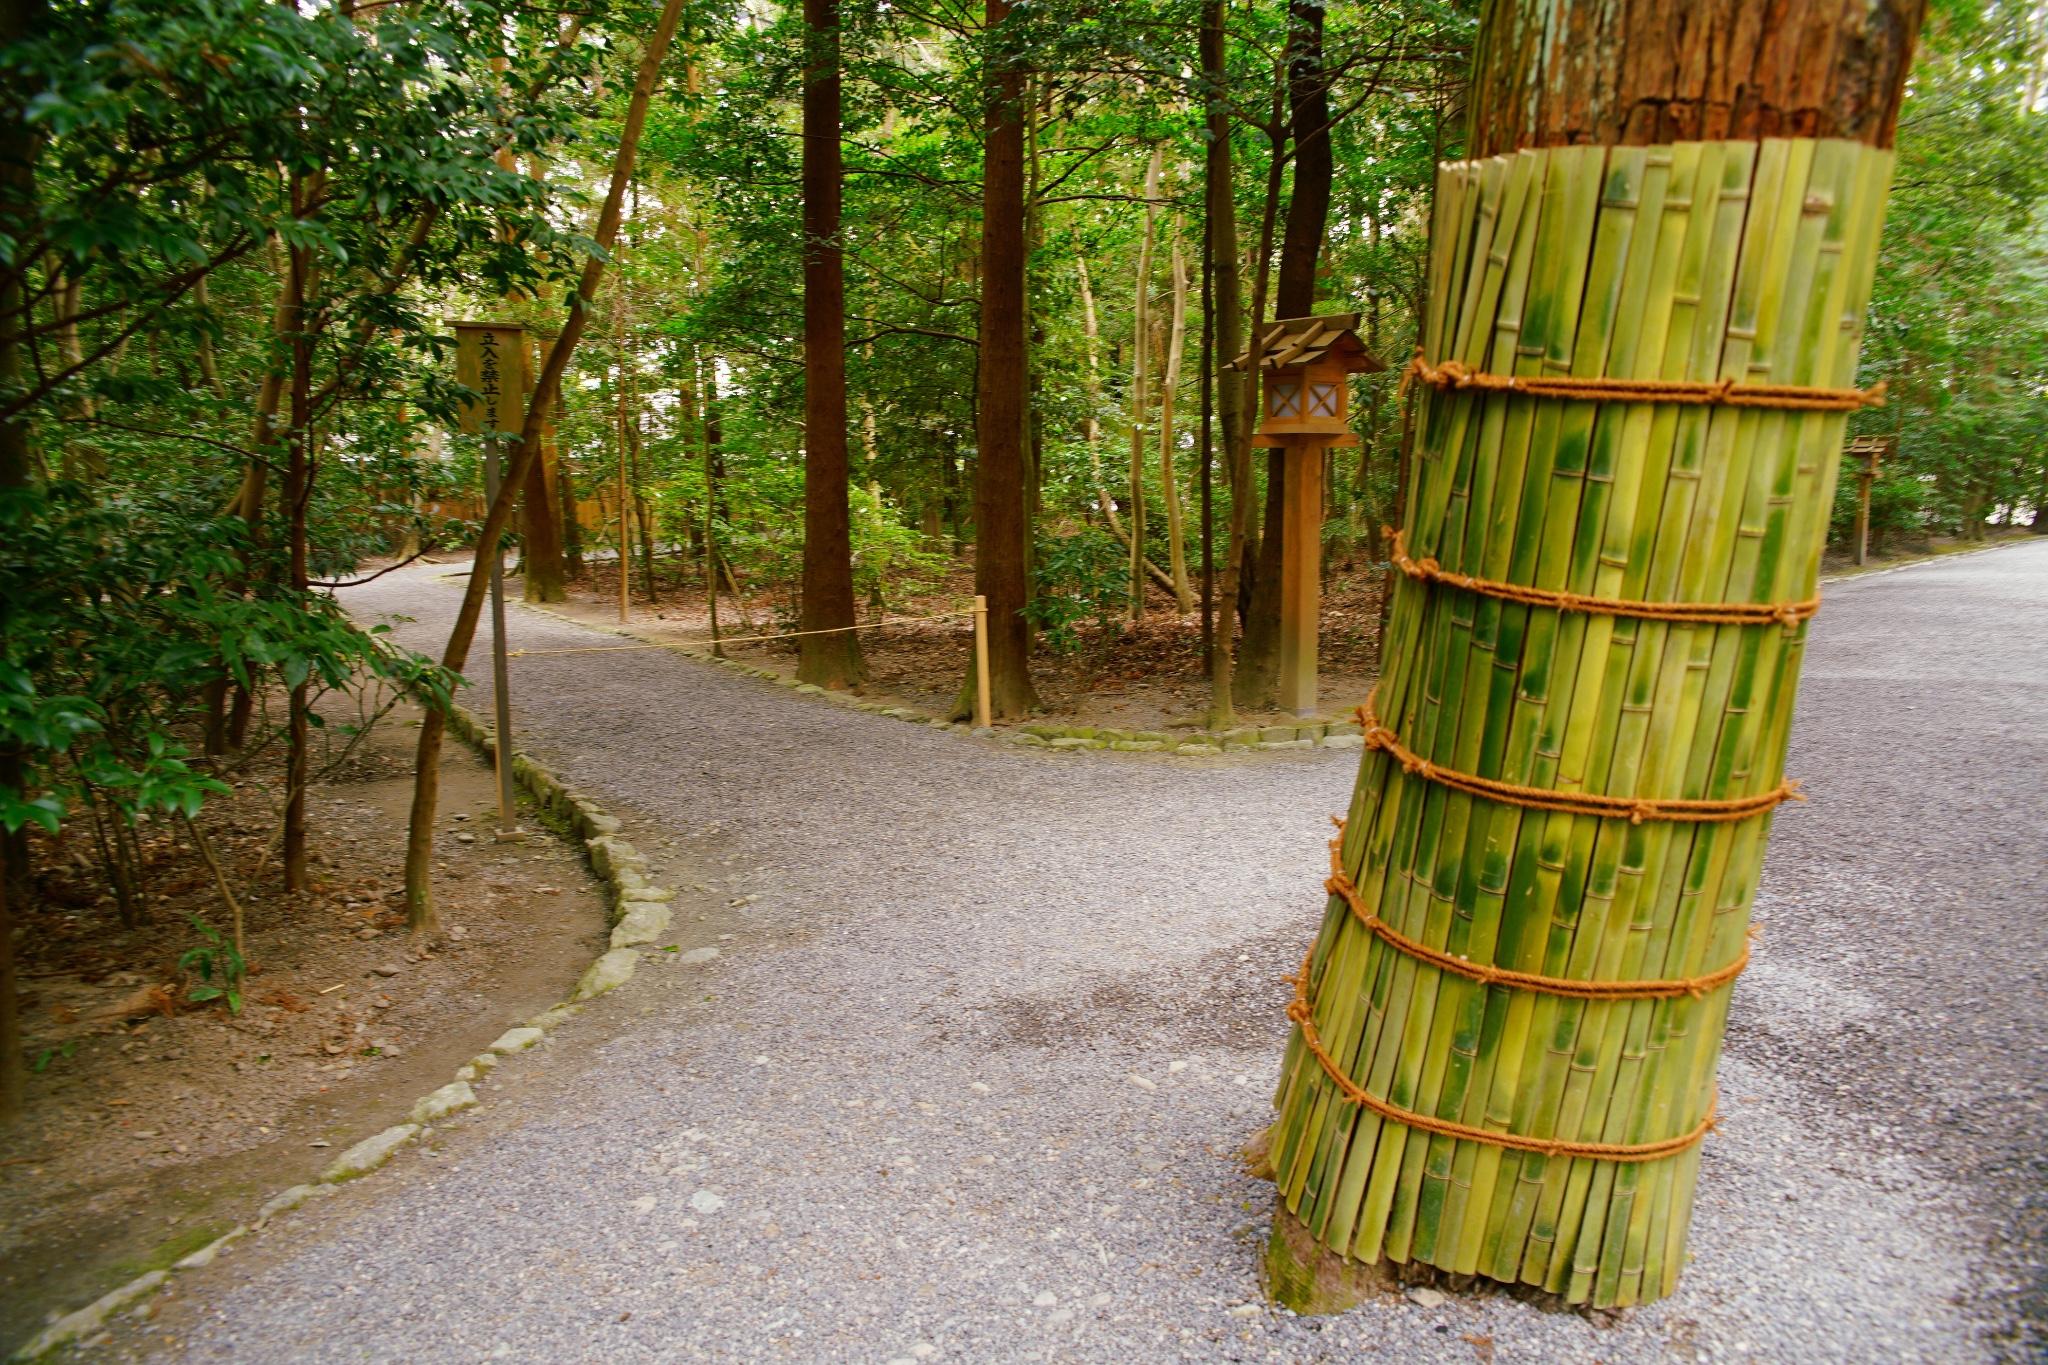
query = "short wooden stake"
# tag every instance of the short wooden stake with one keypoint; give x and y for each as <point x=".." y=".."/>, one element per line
<point x="980" y="661"/>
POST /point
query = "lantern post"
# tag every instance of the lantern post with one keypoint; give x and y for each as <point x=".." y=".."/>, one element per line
<point x="1305" y="367"/>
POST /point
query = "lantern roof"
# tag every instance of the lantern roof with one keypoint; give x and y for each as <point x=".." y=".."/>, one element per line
<point x="1290" y="342"/>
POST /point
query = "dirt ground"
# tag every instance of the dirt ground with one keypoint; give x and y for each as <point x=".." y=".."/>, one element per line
<point x="1148" y="677"/>
<point x="155" y="1124"/>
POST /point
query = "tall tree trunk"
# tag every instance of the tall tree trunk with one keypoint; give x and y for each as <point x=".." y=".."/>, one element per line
<point x="13" y="1074"/>
<point x="1092" y="332"/>
<point x="82" y="459"/>
<point x="1604" y="80"/>
<point x="1169" y="477"/>
<point x="1638" y="75"/>
<point x="18" y="469"/>
<point x="1308" y="207"/>
<point x="1258" y="675"/>
<point x="825" y="660"/>
<point x="1001" y="380"/>
<point x="295" y="494"/>
<point x="1141" y="341"/>
<point x="1219" y="212"/>
<point x="208" y="369"/>
<point x="1308" y="213"/>
<point x="19" y="464"/>
<point x="641" y="514"/>
<point x="540" y="521"/>
<point x="421" y="917"/>
<point x="1258" y="657"/>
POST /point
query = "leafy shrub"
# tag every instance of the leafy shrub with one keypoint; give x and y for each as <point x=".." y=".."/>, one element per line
<point x="1078" y="579"/>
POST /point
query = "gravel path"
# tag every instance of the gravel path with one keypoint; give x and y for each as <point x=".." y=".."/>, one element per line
<point x="901" y="1116"/>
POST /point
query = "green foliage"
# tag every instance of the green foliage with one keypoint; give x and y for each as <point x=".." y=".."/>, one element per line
<point x="1959" y="321"/>
<point x="1082" y="579"/>
<point x="114" y="614"/>
<point x="216" y="955"/>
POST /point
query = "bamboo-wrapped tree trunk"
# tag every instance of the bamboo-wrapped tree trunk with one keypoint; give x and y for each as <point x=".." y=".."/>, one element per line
<point x="1575" y="792"/>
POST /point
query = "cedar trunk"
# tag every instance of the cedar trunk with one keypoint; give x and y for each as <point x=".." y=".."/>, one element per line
<point x="827" y="660"/>
<point x="1220" y="225"/>
<point x="1691" y="204"/>
<point x="1001" y="396"/>
<point x="1678" y="70"/>
<point x="1308" y="215"/>
<point x="297" y="493"/>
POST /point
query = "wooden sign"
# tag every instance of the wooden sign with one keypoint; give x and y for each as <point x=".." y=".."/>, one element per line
<point x="490" y="357"/>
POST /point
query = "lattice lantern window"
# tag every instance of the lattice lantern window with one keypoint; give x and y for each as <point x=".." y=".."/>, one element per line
<point x="1305" y="367"/>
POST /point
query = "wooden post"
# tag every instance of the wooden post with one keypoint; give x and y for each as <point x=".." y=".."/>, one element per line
<point x="501" y="677"/>
<point x="625" y="529"/>
<point x="487" y="355"/>
<point x="980" y="662"/>
<point x="1871" y="449"/>
<point x="1863" y="478"/>
<point x="1300" y="578"/>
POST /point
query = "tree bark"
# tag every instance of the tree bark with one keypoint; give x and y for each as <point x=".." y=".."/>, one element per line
<point x="13" y="1074"/>
<point x="1548" y="74"/>
<point x="1169" y="476"/>
<point x="1308" y="213"/>
<point x="1220" y="214"/>
<point x="19" y="464"/>
<point x="1308" y="208"/>
<point x="540" y="523"/>
<point x="421" y="917"/>
<point x="295" y="493"/>
<point x="1001" y="393"/>
<point x="1658" y="71"/>
<point x="825" y="660"/>
<point x="1141" y="339"/>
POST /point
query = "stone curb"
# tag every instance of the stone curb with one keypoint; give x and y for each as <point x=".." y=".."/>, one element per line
<point x="1320" y="733"/>
<point x="640" y="913"/>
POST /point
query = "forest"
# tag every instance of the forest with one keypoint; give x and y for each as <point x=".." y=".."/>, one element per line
<point x="838" y="312"/>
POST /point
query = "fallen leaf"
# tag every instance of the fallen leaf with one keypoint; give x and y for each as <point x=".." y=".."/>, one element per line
<point x="1481" y="1346"/>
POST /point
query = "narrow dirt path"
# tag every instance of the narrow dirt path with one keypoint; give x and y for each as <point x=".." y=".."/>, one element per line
<point x="988" y="1025"/>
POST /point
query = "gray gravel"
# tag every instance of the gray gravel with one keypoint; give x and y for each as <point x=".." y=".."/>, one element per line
<point x="895" y="1119"/>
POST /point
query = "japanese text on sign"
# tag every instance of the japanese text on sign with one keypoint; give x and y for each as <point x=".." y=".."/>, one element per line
<point x="490" y="360"/>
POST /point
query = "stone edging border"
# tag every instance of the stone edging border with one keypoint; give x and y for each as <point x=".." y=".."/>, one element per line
<point x="640" y="915"/>
<point x="1322" y="733"/>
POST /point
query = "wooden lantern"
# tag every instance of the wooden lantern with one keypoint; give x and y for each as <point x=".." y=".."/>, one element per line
<point x="1305" y="374"/>
<point x="1305" y="381"/>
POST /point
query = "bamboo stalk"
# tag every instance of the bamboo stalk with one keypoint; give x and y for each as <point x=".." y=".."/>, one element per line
<point x="1698" y="261"/>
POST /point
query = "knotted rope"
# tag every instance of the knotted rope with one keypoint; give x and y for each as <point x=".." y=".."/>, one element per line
<point x="1427" y="570"/>
<point x="1455" y="375"/>
<point x="1302" y="1011"/>
<point x="1634" y="809"/>
<point x="1340" y="884"/>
